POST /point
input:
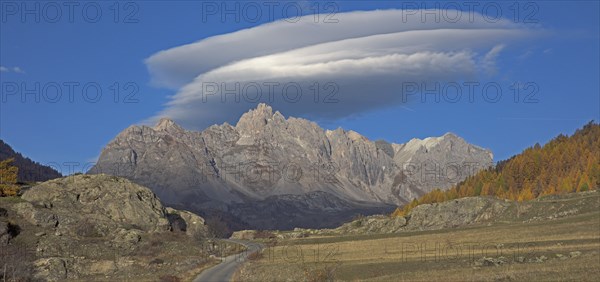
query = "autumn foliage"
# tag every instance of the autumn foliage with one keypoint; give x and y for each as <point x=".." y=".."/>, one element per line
<point x="8" y="178"/>
<point x="563" y="165"/>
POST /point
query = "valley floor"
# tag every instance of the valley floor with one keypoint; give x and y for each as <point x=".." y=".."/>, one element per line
<point x="531" y="249"/>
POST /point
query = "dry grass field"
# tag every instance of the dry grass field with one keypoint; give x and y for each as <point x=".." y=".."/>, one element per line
<point x="517" y="249"/>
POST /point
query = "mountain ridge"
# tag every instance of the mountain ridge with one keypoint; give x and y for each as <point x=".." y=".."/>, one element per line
<point x="29" y="170"/>
<point x="265" y="155"/>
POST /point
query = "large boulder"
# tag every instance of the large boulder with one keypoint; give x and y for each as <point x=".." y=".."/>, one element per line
<point x="102" y="202"/>
<point x="455" y="213"/>
<point x="37" y="216"/>
<point x="194" y="224"/>
<point x="244" y="235"/>
<point x="372" y="224"/>
<point x="96" y="227"/>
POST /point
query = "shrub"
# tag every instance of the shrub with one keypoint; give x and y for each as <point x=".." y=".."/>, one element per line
<point x="177" y="223"/>
<point x="263" y="234"/>
<point x="8" y="179"/>
<point x="320" y="274"/>
<point x="217" y="227"/>
<point x="16" y="263"/>
<point x="169" y="278"/>
<point x="357" y="221"/>
<point x="255" y="256"/>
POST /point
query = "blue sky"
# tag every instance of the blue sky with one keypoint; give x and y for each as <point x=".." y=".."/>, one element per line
<point x="551" y="48"/>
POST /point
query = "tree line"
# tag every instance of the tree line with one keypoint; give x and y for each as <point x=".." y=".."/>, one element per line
<point x="566" y="164"/>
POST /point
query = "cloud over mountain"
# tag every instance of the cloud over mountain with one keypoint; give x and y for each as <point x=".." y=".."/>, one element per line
<point x="324" y="70"/>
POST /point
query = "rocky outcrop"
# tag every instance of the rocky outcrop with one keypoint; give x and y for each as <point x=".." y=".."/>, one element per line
<point x="86" y="225"/>
<point x="192" y="224"/>
<point x="267" y="157"/>
<point x="372" y="224"/>
<point x="100" y="202"/>
<point x="244" y="235"/>
<point x="455" y="213"/>
<point x="464" y="212"/>
<point x="450" y="214"/>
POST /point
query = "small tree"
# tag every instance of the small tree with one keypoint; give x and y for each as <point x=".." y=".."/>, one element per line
<point x="8" y="178"/>
<point x="217" y="228"/>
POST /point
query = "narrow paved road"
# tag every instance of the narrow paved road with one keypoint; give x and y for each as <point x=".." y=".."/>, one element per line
<point x="224" y="271"/>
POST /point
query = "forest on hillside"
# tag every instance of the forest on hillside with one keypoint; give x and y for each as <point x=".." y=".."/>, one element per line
<point x="28" y="170"/>
<point x="565" y="164"/>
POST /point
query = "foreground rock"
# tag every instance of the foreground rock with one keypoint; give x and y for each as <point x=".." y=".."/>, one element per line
<point x="100" y="227"/>
<point x="94" y="205"/>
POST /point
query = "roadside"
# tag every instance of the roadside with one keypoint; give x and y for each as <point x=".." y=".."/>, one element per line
<point x="224" y="271"/>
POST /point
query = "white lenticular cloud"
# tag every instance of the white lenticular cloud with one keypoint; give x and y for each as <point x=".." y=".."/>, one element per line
<point x="358" y="64"/>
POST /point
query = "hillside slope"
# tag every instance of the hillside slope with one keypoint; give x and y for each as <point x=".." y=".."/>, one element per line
<point x="29" y="171"/>
<point x="565" y="164"/>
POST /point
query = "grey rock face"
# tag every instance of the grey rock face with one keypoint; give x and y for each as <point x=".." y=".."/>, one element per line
<point x="266" y="156"/>
<point x="455" y="213"/>
<point x="83" y="225"/>
<point x="105" y="202"/>
<point x="194" y="225"/>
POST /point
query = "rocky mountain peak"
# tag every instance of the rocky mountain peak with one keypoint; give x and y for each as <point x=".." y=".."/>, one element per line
<point x="355" y="136"/>
<point x="430" y="142"/>
<point x="167" y="124"/>
<point x="256" y="119"/>
<point x="261" y="114"/>
<point x="450" y="135"/>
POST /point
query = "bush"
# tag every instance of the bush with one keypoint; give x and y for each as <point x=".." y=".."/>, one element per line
<point x="263" y="234"/>
<point x="177" y="223"/>
<point x="357" y="220"/>
<point x="255" y="256"/>
<point x="16" y="263"/>
<point x="169" y="278"/>
<point x="8" y="179"/>
<point x="156" y="261"/>
<point x="320" y="274"/>
<point x="217" y="227"/>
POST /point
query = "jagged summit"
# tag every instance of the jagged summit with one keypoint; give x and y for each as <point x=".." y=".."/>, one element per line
<point x="259" y="116"/>
<point x="167" y="124"/>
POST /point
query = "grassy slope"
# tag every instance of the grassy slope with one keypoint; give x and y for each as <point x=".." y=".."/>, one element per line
<point x="452" y="254"/>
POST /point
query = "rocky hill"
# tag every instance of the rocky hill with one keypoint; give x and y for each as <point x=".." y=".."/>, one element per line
<point x="267" y="164"/>
<point x="458" y="213"/>
<point x="566" y="164"/>
<point x="29" y="171"/>
<point x="97" y="227"/>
